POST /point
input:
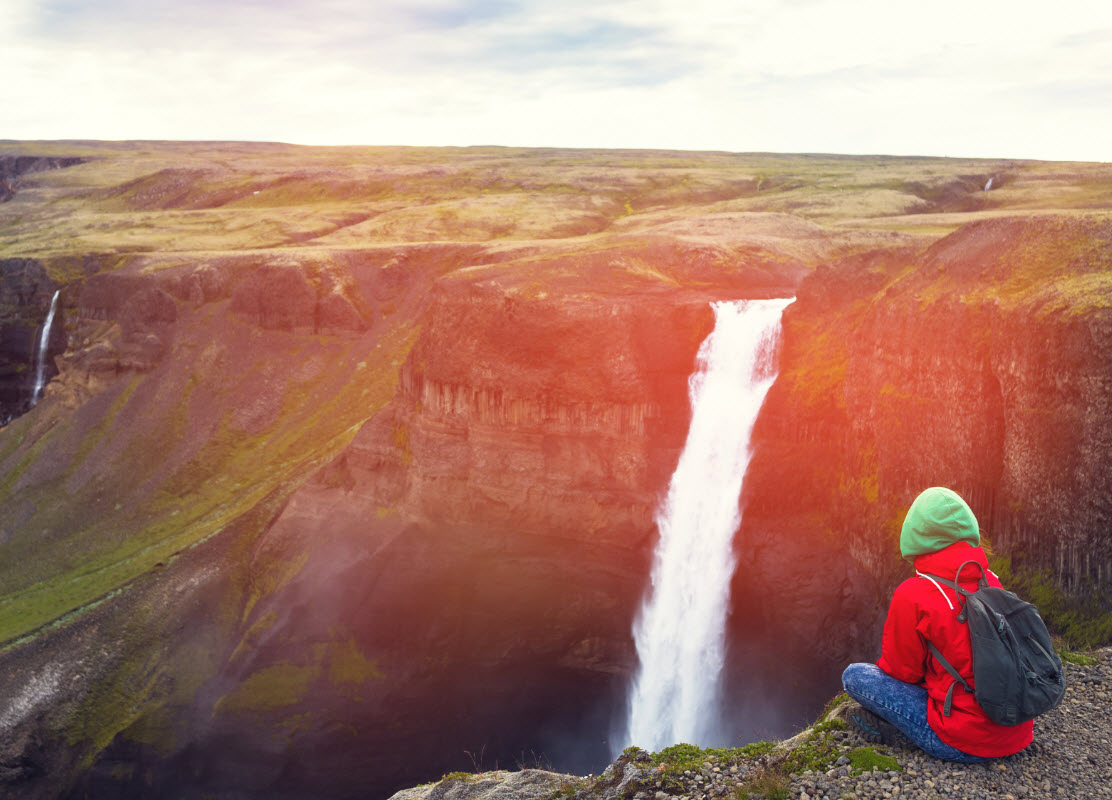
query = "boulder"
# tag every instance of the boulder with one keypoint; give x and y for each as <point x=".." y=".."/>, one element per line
<point x="527" y="784"/>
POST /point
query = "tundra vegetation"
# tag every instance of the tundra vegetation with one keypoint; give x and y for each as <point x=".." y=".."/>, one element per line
<point x="330" y="431"/>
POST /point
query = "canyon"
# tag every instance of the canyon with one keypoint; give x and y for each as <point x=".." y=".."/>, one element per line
<point x="346" y="471"/>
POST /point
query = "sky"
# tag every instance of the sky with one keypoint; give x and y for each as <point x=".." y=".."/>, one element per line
<point x="970" y="78"/>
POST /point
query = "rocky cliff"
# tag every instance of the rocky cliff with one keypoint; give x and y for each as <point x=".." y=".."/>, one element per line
<point x="346" y="478"/>
<point x="508" y="487"/>
<point x="494" y="521"/>
<point x="25" y="295"/>
<point x="981" y="363"/>
<point x="13" y="167"/>
<point x="1001" y="386"/>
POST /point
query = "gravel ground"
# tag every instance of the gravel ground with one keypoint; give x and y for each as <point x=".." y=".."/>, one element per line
<point x="1070" y="759"/>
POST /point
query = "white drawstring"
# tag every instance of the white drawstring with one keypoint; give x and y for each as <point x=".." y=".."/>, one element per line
<point x="936" y="586"/>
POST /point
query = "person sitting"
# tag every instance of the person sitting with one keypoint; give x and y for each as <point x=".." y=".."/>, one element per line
<point x="908" y="691"/>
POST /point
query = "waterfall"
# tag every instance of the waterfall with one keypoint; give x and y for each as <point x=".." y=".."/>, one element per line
<point x="680" y="631"/>
<point x="988" y="184"/>
<point x="44" y="347"/>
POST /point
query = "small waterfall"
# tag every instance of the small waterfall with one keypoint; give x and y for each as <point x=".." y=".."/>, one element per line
<point x="680" y="632"/>
<point x="988" y="183"/>
<point x="44" y="347"/>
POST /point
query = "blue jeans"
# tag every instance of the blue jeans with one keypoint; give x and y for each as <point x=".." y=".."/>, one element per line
<point x="902" y="704"/>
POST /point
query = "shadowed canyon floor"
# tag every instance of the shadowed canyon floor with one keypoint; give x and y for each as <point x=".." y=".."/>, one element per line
<point x="346" y="468"/>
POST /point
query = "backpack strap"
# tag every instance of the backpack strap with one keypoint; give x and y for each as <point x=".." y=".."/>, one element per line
<point x="981" y="584"/>
<point x="957" y="587"/>
<point x="953" y="672"/>
<point x="962" y="617"/>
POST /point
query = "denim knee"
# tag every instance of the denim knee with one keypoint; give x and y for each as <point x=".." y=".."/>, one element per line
<point x="854" y="676"/>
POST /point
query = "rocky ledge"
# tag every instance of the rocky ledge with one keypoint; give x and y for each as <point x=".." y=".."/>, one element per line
<point x="1071" y="757"/>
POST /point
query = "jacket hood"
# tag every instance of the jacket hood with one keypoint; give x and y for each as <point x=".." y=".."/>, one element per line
<point x="937" y="519"/>
<point x="945" y="562"/>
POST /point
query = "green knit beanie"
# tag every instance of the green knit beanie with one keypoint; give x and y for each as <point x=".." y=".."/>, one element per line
<point x="937" y="519"/>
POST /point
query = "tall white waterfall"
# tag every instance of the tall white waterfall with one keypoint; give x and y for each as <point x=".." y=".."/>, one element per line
<point x="680" y="632"/>
<point x="44" y="346"/>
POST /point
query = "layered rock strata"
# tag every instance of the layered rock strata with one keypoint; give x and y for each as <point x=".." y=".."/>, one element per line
<point x="496" y="517"/>
<point x="982" y="364"/>
<point x="464" y="574"/>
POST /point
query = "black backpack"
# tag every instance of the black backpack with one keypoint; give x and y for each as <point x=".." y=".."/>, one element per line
<point x="1016" y="671"/>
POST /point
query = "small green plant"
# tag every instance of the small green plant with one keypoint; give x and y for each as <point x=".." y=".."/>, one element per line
<point x="756" y="749"/>
<point x="835" y="701"/>
<point x="864" y="759"/>
<point x="531" y="760"/>
<point x="570" y="789"/>
<point x="816" y="751"/>
<point x="769" y="784"/>
<point x="1075" y="658"/>
<point x="673" y="761"/>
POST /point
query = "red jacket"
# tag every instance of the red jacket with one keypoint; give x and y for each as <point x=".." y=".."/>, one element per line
<point x="920" y="613"/>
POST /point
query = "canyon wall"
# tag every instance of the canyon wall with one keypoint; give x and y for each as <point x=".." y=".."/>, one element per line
<point x="485" y="538"/>
<point x="190" y="402"/>
<point x="459" y="579"/>
<point x="25" y="294"/>
<point x="388" y="512"/>
<point x="984" y="364"/>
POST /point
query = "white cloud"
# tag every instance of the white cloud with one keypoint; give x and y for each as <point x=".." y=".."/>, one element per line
<point x="954" y="77"/>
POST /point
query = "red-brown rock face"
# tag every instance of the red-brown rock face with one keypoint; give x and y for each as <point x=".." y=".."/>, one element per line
<point x="557" y="418"/>
<point x="549" y="425"/>
<point x="25" y="295"/>
<point x="293" y="298"/>
<point x="982" y="364"/>
<point x="995" y="379"/>
<point x="496" y="519"/>
<point x="465" y="573"/>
